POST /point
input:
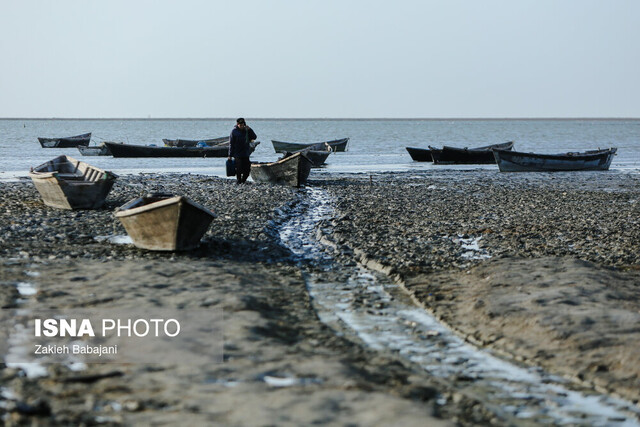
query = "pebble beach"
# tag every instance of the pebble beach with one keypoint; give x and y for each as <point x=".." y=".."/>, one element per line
<point x="541" y="269"/>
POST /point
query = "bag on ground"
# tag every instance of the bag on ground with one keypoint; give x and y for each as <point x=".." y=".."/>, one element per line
<point x="231" y="167"/>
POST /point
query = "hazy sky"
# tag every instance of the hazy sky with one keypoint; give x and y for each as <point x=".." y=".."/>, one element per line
<point x="324" y="58"/>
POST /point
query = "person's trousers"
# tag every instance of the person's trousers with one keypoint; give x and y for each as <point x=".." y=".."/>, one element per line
<point x="243" y="169"/>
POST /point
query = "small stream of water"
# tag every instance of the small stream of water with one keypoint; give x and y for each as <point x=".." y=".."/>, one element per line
<point x="356" y="301"/>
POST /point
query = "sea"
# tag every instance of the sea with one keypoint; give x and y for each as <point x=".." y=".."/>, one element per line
<point x="375" y="145"/>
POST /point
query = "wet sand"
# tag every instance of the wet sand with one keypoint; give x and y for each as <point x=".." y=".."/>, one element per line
<point x="281" y="366"/>
<point x="543" y="268"/>
<point x="553" y="282"/>
<point x="571" y="317"/>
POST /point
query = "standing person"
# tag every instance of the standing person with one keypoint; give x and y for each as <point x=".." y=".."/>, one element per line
<point x="240" y="148"/>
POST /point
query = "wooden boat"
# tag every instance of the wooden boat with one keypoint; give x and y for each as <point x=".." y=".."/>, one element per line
<point x="336" y="145"/>
<point x="66" y="142"/>
<point x="469" y="156"/>
<point x="317" y="157"/>
<point x="164" y="222"/>
<point x="293" y="170"/>
<point x="435" y="154"/>
<point x="317" y="153"/>
<point x="592" y="160"/>
<point x="67" y="183"/>
<point x="95" y="150"/>
<point x="195" y="142"/>
<point x="420" y="154"/>
<point x="131" y="150"/>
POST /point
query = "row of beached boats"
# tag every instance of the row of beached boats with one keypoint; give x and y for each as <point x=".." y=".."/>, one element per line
<point x="163" y="222"/>
<point x="167" y="222"/>
<point x="156" y="222"/>
<point x="211" y="147"/>
<point x="292" y="168"/>
<point x="509" y="160"/>
<point x="501" y="154"/>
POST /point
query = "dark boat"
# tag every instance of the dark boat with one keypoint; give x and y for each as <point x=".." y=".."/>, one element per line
<point x="336" y="145"/>
<point x="435" y="154"/>
<point x="65" y="142"/>
<point x="318" y="158"/>
<point x="67" y="183"/>
<point x="420" y="154"/>
<point x="592" y="160"/>
<point x="468" y="156"/>
<point x="293" y="170"/>
<point x="195" y="142"/>
<point x="95" y="150"/>
<point x="317" y="153"/>
<point x="163" y="222"/>
<point x="131" y="150"/>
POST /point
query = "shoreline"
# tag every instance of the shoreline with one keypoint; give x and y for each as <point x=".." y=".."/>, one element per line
<point x="413" y="226"/>
<point x="328" y="119"/>
<point x="332" y="172"/>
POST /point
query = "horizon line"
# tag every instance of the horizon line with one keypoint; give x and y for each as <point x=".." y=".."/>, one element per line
<point x="325" y="118"/>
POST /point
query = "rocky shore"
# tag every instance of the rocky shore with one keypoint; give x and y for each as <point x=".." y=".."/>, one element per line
<point x="32" y="231"/>
<point x="281" y="366"/>
<point x="541" y="268"/>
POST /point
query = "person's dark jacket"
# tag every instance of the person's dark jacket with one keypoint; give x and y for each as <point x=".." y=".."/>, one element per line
<point x="239" y="142"/>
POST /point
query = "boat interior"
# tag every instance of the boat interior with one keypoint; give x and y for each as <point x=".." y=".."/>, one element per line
<point x="70" y="169"/>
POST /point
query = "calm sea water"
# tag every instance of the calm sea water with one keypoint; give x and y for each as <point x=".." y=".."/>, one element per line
<point x="375" y="145"/>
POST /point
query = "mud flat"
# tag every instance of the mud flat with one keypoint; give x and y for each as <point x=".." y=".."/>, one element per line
<point x="543" y="268"/>
<point x="281" y="365"/>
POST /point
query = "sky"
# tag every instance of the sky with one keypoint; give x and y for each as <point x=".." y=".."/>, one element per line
<point x="319" y="58"/>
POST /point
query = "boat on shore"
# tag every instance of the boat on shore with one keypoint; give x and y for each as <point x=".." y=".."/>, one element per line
<point x="66" y="142"/>
<point x="317" y="153"/>
<point x="292" y="170"/>
<point x="164" y="222"/>
<point x="318" y="158"/>
<point x="95" y="150"/>
<point x="468" y="156"/>
<point x="420" y="154"/>
<point x="132" y="150"/>
<point x="67" y="183"/>
<point x="336" y="145"/>
<point x="591" y="160"/>
<point x="195" y="142"/>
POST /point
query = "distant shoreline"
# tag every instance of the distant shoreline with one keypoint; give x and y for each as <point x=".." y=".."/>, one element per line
<point x="363" y="119"/>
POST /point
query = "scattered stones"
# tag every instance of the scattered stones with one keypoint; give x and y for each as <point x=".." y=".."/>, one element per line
<point x="29" y="229"/>
<point x="408" y="223"/>
<point x="404" y="224"/>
